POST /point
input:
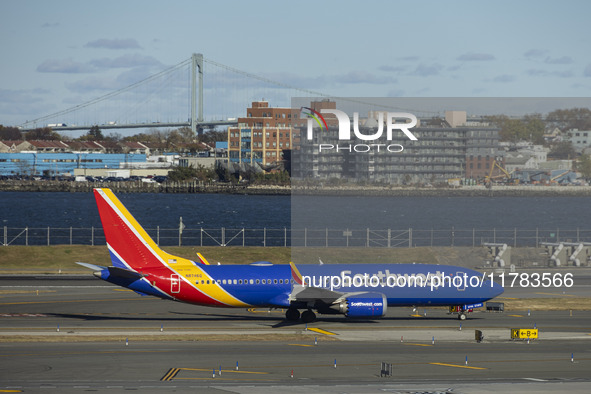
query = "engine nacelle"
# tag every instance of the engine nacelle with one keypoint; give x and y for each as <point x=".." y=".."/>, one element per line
<point x="364" y="305"/>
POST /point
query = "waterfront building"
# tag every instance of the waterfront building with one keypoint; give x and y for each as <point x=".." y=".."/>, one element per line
<point x="442" y="151"/>
<point x="580" y="139"/>
<point x="262" y="136"/>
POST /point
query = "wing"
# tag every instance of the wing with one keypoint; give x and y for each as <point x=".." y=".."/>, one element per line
<point x="311" y="295"/>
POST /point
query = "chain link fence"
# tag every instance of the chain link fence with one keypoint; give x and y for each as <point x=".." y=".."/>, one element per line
<point x="306" y="237"/>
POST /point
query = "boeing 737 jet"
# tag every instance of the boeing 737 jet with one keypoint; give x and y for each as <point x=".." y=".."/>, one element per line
<point x="354" y="290"/>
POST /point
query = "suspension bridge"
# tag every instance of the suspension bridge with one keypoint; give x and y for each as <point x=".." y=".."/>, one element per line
<point x="183" y="95"/>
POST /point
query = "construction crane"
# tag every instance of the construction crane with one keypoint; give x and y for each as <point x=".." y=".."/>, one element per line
<point x="504" y="174"/>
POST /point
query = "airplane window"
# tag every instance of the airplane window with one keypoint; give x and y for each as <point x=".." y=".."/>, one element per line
<point x="208" y="282"/>
<point x="258" y="281"/>
<point x="280" y="281"/>
<point x="219" y="281"/>
<point x="240" y="281"/>
<point x="252" y="282"/>
<point x="263" y="281"/>
<point x="269" y="281"/>
<point x="224" y="281"/>
<point x="202" y="282"/>
<point x="275" y="281"/>
<point x="235" y="281"/>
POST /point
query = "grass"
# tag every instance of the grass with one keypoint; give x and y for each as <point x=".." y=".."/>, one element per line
<point x="62" y="258"/>
<point x="548" y="304"/>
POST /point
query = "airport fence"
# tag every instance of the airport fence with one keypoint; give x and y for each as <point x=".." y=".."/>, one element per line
<point x="306" y="237"/>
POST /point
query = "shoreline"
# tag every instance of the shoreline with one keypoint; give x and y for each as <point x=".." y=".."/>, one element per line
<point x="322" y="190"/>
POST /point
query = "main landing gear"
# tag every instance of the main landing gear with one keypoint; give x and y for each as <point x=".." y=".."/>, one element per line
<point x="462" y="313"/>
<point x="293" y="314"/>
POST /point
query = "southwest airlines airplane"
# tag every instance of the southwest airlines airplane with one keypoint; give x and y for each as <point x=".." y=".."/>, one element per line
<point x="354" y="290"/>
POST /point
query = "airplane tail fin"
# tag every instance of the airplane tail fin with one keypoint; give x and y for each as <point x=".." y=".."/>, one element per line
<point x="129" y="244"/>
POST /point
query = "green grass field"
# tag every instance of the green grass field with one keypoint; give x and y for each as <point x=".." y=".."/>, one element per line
<point x="63" y="258"/>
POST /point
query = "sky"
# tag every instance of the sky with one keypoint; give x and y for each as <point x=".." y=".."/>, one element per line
<point x="59" y="54"/>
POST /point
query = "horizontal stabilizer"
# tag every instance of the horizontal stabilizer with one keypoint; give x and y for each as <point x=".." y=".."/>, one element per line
<point x="92" y="266"/>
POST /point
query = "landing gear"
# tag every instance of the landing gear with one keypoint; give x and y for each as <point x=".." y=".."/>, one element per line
<point x="292" y="314"/>
<point x="308" y="316"/>
<point x="460" y="311"/>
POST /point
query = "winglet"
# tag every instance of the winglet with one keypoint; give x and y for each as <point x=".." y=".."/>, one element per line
<point x="295" y="274"/>
<point x="202" y="259"/>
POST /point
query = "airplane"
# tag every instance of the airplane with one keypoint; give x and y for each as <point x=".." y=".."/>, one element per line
<point x="353" y="290"/>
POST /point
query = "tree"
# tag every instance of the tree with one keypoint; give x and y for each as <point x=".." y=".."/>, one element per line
<point x="562" y="151"/>
<point x="179" y="174"/>
<point x="10" y="133"/>
<point x="584" y="166"/>
<point x="44" y="133"/>
<point x="535" y="128"/>
<point x="94" y="134"/>
<point x="574" y="118"/>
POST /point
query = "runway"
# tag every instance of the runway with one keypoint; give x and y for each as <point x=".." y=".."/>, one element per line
<point x="111" y="340"/>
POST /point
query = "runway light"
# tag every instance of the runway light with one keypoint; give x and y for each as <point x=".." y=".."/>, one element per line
<point x="126" y="341"/>
<point x="315" y="341"/>
<point x="292" y="373"/>
<point x="213" y="376"/>
<point x="161" y="327"/>
<point x="572" y="357"/>
<point x="335" y="363"/>
<point x="466" y="360"/>
<point x="58" y="327"/>
<point x="236" y="365"/>
<point x="433" y="340"/>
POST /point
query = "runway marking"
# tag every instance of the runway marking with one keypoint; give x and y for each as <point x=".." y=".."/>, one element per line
<point x="299" y="344"/>
<point x="457" y="366"/>
<point x="557" y="294"/>
<point x="84" y="353"/>
<point x="515" y="315"/>
<point x="257" y="310"/>
<point x="507" y="298"/>
<point x="535" y="380"/>
<point x="7" y="292"/>
<point x="224" y="371"/>
<point x="416" y="315"/>
<point x="22" y="315"/>
<point x="71" y="301"/>
<point x="172" y="372"/>
<point x="233" y="379"/>
<point x="122" y="290"/>
<point x="321" y="331"/>
<point x="417" y="344"/>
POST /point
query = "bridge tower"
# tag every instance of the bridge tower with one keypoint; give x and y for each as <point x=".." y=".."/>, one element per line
<point x="197" y="63"/>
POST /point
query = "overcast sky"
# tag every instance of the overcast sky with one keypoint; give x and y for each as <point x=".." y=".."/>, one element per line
<point x="58" y="54"/>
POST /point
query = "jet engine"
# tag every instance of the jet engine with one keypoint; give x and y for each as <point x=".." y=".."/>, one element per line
<point x="364" y="305"/>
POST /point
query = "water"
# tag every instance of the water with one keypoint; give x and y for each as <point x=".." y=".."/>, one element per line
<point x="43" y="209"/>
<point x="441" y="212"/>
<point x="245" y="211"/>
<point x="435" y="221"/>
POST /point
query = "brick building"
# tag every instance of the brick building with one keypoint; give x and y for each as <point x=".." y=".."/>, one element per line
<point x="261" y="136"/>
